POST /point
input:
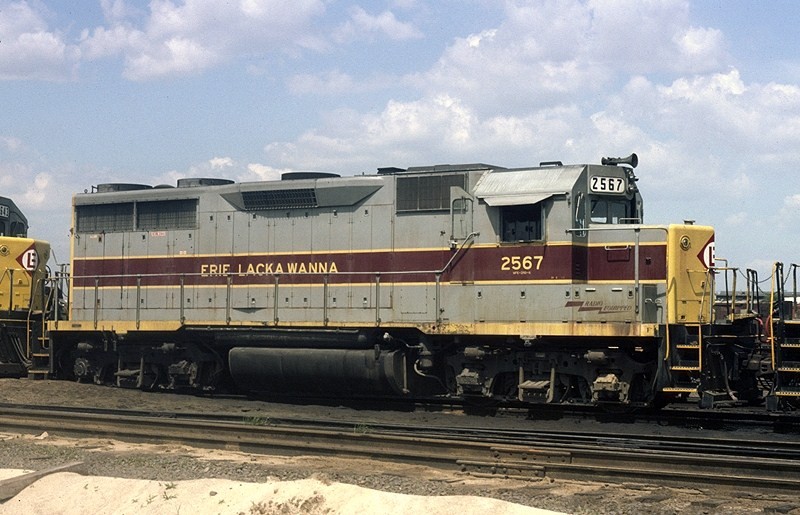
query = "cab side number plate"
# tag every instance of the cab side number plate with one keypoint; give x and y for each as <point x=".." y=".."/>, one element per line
<point x="600" y="184"/>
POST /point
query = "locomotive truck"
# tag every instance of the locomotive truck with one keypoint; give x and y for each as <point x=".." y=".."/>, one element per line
<point x="527" y="285"/>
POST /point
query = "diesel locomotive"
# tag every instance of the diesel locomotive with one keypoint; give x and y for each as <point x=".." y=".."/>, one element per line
<point x="526" y="285"/>
<point x="24" y="292"/>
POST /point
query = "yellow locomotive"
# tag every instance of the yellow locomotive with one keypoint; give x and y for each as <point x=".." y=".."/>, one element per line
<point x="25" y="296"/>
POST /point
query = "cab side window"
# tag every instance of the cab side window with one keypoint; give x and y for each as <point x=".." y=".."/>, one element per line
<point x="17" y="229"/>
<point x="599" y="211"/>
<point x="522" y="223"/>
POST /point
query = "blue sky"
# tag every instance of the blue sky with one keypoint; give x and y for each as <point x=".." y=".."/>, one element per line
<point x="706" y="93"/>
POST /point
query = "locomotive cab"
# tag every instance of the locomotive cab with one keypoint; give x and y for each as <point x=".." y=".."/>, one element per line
<point x="13" y="222"/>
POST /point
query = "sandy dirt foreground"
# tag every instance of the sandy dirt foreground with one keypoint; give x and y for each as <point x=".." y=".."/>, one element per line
<point x="70" y="493"/>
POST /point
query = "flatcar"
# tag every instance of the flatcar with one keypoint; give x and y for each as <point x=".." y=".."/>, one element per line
<point x="525" y="285"/>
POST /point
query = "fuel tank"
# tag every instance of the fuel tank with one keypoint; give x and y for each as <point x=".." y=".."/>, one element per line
<point x="318" y="371"/>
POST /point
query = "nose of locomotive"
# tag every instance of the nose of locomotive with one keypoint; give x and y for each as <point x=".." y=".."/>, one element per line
<point x="690" y="259"/>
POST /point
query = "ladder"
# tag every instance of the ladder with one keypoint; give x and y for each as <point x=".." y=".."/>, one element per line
<point x="700" y="355"/>
<point x="39" y="360"/>
<point x="684" y="359"/>
<point x="784" y="343"/>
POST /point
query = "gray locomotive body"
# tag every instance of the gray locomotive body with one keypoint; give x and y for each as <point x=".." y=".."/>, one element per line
<point x="538" y="284"/>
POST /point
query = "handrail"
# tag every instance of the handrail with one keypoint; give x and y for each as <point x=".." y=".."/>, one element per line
<point x="753" y="298"/>
<point x="228" y="276"/>
<point x="776" y="269"/>
<point x="274" y="274"/>
<point x="636" y="229"/>
<point x="59" y="290"/>
<point x="731" y="295"/>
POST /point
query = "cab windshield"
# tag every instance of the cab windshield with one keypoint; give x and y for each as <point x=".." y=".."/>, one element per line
<point x="612" y="211"/>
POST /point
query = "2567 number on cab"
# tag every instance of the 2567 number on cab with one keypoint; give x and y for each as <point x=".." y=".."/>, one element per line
<point x="600" y="184"/>
<point x="517" y="263"/>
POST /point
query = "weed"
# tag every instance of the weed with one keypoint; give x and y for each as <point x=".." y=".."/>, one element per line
<point x="256" y="421"/>
<point x="259" y="509"/>
<point x="362" y="429"/>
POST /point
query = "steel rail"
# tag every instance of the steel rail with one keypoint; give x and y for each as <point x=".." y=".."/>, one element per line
<point x="762" y="448"/>
<point x="679" y="418"/>
<point x="482" y="456"/>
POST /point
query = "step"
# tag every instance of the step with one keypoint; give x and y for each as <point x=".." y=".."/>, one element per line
<point x="790" y="332"/>
<point x="684" y="368"/>
<point x="534" y="385"/>
<point x="679" y="389"/>
<point x="38" y="373"/>
<point x="712" y="337"/>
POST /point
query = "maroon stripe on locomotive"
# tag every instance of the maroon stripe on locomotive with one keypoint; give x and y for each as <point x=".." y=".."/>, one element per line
<point x="528" y="263"/>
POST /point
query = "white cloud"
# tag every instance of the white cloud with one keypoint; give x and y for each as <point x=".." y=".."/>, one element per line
<point x="29" y="50"/>
<point x="190" y="37"/>
<point x="259" y="172"/>
<point x="363" y="25"/>
<point x="175" y="56"/>
<point x="707" y="89"/>
<point x="11" y="144"/>
<point x="221" y="163"/>
<point x="405" y="4"/>
<point x="475" y="40"/>
<point x="791" y="207"/>
<point x="562" y="80"/>
<point x="738" y="219"/>
<point x="541" y="86"/>
<point x="531" y="60"/>
<point x="117" y="10"/>
<point x="111" y="42"/>
<point x="544" y="52"/>
<point x="396" y="133"/>
<point x="701" y="48"/>
<point x="227" y="168"/>
<point x="36" y="193"/>
<point x="336" y="82"/>
<point x="641" y="37"/>
<point x="333" y="82"/>
<point x="42" y="191"/>
<point x="432" y="129"/>
<point x="221" y="167"/>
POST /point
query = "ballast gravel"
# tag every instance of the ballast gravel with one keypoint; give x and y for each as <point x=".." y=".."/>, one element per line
<point x="159" y="471"/>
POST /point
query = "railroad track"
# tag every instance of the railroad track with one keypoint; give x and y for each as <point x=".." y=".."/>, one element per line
<point x="679" y="415"/>
<point x="752" y="464"/>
